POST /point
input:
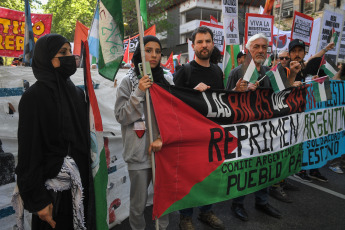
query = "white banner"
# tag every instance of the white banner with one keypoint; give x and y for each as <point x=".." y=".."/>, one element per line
<point x="258" y="23"/>
<point x="230" y="15"/>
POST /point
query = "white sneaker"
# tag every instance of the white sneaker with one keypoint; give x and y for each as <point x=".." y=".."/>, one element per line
<point x="336" y="169"/>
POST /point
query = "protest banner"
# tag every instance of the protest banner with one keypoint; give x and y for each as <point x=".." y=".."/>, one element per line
<point x="224" y="144"/>
<point x="218" y="37"/>
<point x="331" y="19"/>
<point x="12" y="30"/>
<point x="258" y="23"/>
<point x="134" y="41"/>
<point x="230" y="17"/>
<point x="324" y="132"/>
<point x="302" y="27"/>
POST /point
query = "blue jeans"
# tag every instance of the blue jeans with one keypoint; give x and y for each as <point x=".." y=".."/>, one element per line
<point x="189" y="211"/>
<point x="261" y="197"/>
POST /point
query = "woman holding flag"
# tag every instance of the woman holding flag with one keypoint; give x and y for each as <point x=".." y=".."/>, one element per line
<point x="53" y="171"/>
<point x="130" y="113"/>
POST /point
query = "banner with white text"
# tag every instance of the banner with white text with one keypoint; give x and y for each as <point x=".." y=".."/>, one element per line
<point x="224" y="144"/>
<point x="230" y="17"/>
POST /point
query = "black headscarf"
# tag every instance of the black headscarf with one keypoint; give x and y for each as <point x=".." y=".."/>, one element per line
<point x="63" y="89"/>
<point x="157" y="72"/>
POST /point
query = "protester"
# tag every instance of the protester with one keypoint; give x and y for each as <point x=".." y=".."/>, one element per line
<point x="216" y="56"/>
<point x="283" y="58"/>
<point x="257" y="46"/>
<point x="241" y="57"/>
<point x="200" y="74"/>
<point x="297" y="53"/>
<point x="130" y="112"/>
<point x="53" y="172"/>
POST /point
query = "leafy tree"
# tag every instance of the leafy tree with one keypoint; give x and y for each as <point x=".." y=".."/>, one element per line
<point x="19" y="4"/>
<point x="156" y="15"/>
<point x="67" y="12"/>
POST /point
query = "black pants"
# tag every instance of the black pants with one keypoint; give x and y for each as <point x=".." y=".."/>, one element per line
<point x="62" y="213"/>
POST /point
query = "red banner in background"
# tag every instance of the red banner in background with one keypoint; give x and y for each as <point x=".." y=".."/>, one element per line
<point x="12" y="28"/>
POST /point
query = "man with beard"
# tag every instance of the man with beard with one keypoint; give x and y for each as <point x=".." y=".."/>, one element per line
<point x="200" y="75"/>
<point x="257" y="46"/>
<point x="297" y="53"/>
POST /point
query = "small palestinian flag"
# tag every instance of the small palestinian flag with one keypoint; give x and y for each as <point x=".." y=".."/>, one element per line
<point x="333" y="36"/>
<point x="322" y="91"/>
<point x="328" y="66"/>
<point x="268" y="61"/>
<point x="278" y="78"/>
<point x="251" y="74"/>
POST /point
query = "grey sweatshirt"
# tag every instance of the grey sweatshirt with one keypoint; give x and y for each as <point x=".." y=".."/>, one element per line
<point x="130" y="108"/>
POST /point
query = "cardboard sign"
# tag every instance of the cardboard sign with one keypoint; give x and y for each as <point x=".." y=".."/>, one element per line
<point x="302" y="27"/>
<point x="258" y="23"/>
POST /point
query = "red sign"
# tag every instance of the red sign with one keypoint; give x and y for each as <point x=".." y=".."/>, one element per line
<point x="12" y="28"/>
<point x="258" y="23"/>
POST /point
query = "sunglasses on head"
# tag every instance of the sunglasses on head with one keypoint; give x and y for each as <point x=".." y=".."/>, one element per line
<point x="282" y="58"/>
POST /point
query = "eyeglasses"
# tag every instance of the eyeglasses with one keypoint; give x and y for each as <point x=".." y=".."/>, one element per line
<point x="282" y="58"/>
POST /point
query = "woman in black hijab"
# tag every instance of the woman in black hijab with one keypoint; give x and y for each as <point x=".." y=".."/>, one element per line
<point x="53" y="142"/>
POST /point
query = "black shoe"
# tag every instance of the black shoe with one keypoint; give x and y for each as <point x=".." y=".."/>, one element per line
<point x="315" y="174"/>
<point x="239" y="211"/>
<point x="279" y="194"/>
<point x="269" y="210"/>
<point x="302" y="175"/>
<point x="288" y="186"/>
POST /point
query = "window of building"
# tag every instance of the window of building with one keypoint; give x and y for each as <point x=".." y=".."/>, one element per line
<point x="202" y="14"/>
<point x="311" y="6"/>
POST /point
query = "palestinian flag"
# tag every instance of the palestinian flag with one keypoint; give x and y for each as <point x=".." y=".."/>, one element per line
<point x="251" y="74"/>
<point x="328" y="66"/>
<point x="333" y="36"/>
<point x="268" y="61"/>
<point x="322" y="90"/>
<point x="170" y="63"/>
<point x="99" y="164"/>
<point x="219" y="145"/>
<point x="278" y="78"/>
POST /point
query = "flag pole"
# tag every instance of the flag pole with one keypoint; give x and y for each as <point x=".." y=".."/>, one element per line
<point x="280" y="14"/>
<point x="148" y="105"/>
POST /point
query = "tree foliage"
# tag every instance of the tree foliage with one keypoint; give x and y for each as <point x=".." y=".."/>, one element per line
<point x="156" y="15"/>
<point x="19" y="4"/>
<point x="67" y="12"/>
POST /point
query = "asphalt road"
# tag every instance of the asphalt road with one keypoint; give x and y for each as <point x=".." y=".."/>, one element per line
<point x="317" y="206"/>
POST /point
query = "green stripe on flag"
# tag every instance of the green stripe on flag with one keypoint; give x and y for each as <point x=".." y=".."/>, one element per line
<point x="328" y="69"/>
<point x="241" y="177"/>
<point x="111" y="38"/>
<point x="228" y="59"/>
<point x="143" y="12"/>
<point x="274" y="83"/>
<point x="252" y="73"/>
<point x="100" y="186"/>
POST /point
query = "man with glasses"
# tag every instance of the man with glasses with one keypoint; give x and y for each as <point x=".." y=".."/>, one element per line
<point x="284" y="58"/>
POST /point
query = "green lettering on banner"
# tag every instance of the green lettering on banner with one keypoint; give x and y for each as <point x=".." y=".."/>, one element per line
<point x="241" y="177"/>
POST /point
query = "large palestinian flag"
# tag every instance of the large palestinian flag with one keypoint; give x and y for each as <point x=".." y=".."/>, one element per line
<point x="218" y="145"/>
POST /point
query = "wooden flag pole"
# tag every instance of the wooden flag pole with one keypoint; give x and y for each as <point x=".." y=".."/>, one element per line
<point x="148" y="104"/>
<point x="232" y="56"/>
<point x="280" y="13"/>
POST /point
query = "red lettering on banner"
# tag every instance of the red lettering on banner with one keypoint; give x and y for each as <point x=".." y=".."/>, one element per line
<point x="234" y="104"/>
<point x="264" y="96"/>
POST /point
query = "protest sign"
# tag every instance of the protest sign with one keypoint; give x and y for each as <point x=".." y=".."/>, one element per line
<point x="230" y="16"/>
<point x="302" y="27"/>
<point x="258" y="23"/>
<point x="12" y="30"/>
<point x="218" y="37"/>
<point x="332" y="19"/>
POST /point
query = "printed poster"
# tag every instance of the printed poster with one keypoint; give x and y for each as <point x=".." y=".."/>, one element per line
<point x="258" y="23"/>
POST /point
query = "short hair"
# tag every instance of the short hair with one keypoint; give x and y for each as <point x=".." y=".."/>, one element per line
<point x="253" y="38"/>
<point x="282" y="51"/>
<point x="202" y="30"/>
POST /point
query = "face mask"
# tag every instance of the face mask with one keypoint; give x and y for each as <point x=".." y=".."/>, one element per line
<point x="67" y="66"/>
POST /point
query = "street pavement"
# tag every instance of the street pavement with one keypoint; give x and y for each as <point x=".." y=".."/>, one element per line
<point x="317" y="206"/>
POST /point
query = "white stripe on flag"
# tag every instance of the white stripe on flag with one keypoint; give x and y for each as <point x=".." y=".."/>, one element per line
<point x="322" y="92"/>
<point x="330" y="68"/>
<point x="279" y="80"/>
<point x="250" y="70"/>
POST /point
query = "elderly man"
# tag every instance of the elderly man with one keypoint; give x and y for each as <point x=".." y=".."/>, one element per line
<point x="257" y="46"/>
